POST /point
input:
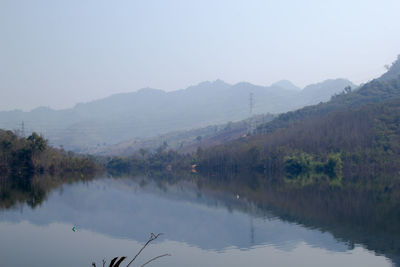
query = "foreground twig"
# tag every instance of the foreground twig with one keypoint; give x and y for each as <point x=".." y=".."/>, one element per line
<point x="119" y="262"/>
<point x="115" y="263"/>
<point x="112" y="262"/>
<point x="152" y="237"/>
<point x="154" y="259"/>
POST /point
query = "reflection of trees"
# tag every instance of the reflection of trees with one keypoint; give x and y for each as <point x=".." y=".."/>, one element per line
<point x="353" y="217"/>
<point x="356" y="216"/>
<point x="29" y="168"/>
<point x="368" y="216"/>
<point x="32" y="189"/>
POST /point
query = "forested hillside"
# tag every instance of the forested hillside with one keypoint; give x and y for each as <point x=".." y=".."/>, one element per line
<point x="184" y="141"/>
<point x="355" y="136"/>
<point x="363" y="143"/>
<point x="150" y="112"/>
<point x="375" y="91"/>
<point x="345" y="147"/>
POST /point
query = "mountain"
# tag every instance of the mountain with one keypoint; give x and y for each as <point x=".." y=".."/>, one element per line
<point x="151" y="112"/>
<point x="287" y="85"/>
<point x="316" y="93"/>
<point x="359" y="145"/>
<point x="355" y="135"/>
<point x="376" y="91"/>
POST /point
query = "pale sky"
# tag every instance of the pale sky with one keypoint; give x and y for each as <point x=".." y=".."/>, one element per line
<point x="58" y="53"/>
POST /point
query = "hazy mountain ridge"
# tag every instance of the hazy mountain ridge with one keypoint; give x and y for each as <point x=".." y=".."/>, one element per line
<point x="286" y="84"/>
<point x="361" y="126"/>
<point x="357" y="133"/>
<point x="375" y="91"/>
<point x="369" y="93"/>
<point x="150" y="112"/>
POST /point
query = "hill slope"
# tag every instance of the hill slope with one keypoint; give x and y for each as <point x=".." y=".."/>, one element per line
<point x="355" y="135"/>
<point x="361" y="143"/>
<point x="376" y="91"/>
<point x="186" y="141"/>
<point x="150" y="112"/>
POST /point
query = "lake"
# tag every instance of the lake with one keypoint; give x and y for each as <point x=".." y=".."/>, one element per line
<point x="201" y="227"/>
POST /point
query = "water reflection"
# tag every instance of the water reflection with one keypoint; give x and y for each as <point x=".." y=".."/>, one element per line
<point x="227" y="223"/>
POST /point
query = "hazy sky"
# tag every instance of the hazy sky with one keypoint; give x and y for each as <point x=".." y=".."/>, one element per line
<point x="57" y="53"/>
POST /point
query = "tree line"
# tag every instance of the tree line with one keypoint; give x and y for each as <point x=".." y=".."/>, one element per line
<point x="29" y="168"/>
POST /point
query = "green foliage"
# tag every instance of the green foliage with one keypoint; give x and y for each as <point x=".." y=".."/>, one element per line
<point x="333" y="166"/>
<point x="298" y="166"/>
<point x="161" y="161"/>
<point x="119" y="165"/>
<point x="29" y="168"/>
<point x="38" y="143"/>
<point x="22" y="157"/>
<point x="302" y="167"/>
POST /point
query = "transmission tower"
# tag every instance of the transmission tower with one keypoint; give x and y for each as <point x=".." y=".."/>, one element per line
<point x="251" y="124"/>
<point x="22" y="129"/>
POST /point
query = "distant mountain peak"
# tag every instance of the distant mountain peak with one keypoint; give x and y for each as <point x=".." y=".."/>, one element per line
<point x="244" y="84"/>
<point x="286" y="84"/>
<point x="205" y="83"/>
<point x="219" y="82"/>
<point x="331" y="82"/>
<point x="208" y="85"/>
<point x="148" y="89"/>
<point x="216" y="82"/>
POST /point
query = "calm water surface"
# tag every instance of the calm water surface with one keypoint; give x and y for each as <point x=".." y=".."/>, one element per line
<point x="114" y="217"/>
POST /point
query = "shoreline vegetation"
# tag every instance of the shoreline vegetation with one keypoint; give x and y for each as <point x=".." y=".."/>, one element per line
<point x="353" y="140"/>
<point x="361" y="151"/>
<point x="29" y="168"/>
<point x="21" y="157"/>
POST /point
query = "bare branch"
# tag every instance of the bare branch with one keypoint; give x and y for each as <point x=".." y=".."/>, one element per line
<point x="119" y="262"/>
<point x="155" y="259"/>
<point x="112" y="262"/>
<point x="152" y="237"/>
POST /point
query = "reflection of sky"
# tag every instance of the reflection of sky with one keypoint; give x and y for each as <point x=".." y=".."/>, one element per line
<point x="26" y="244"/>
<point x="121" y="210"/>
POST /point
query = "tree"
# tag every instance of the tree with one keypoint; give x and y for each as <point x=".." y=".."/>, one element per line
<point x="38" y="143"/>
<point x="297" y="166"/>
